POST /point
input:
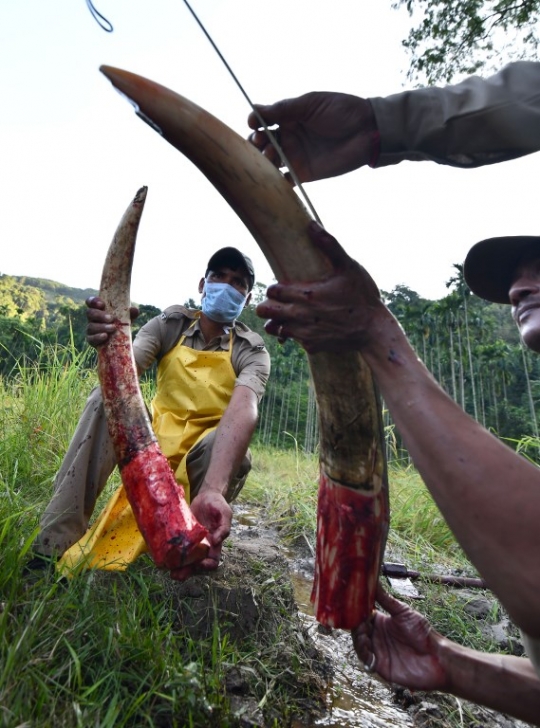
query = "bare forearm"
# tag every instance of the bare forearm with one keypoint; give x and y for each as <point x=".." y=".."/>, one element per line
<point x="489" y="495"/>
<point x="233" y="436"/>
<point x="501" y="682"/>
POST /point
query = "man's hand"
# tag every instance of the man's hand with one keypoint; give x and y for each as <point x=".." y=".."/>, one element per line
<point x="101" y="324"/>
<point x="212" y="511"/>
<point x="322" y="134"/>
<point x="406" y="648"/>
<point x="340" y="312"/>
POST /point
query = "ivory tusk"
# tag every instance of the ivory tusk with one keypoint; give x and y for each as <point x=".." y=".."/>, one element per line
<point x="353" y="496"/>
<point x="172" y="534"/>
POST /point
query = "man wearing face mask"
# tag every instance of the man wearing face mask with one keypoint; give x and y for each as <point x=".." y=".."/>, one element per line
<point x="211" y="374"/>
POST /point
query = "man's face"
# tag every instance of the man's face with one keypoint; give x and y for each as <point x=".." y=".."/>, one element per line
<point x="524" y="296"/>
<point x="238" y="278"/>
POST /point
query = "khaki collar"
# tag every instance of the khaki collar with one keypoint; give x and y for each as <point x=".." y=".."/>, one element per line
<point x="195" y="330"/>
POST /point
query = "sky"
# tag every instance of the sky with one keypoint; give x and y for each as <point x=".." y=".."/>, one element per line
<point x="73" y="153"/>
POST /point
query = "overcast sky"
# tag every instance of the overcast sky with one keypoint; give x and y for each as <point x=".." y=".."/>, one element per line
<point x="72" y="152"/>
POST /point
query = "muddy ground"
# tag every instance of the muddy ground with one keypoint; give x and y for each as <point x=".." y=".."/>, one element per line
<point x="261" y="594"/>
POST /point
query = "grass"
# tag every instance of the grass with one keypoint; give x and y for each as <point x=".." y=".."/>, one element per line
<point x="103" y="657"/>
<point x="116" y="649"/>
<point x="285" y="483"/>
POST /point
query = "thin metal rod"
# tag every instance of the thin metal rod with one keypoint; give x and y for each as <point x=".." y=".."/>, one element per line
<point x="262" y="122"/>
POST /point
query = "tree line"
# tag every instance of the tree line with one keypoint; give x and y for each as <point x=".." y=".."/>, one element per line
<point x="470" y="346"/>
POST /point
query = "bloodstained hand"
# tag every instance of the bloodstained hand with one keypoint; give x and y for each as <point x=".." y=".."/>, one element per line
<point x="340" y="312"/>
<point x="322" y="134"/>
<point x="212" y="511"/>
<point x="101" y="324"/>
<point x="407" y="650"/>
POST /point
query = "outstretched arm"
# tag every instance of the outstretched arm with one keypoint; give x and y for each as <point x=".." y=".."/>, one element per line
<point x="469" y="124"/>
<point x="408" y="651"/>
<point x="476" y="122"/>
<point x="209" y="507"/>
<point x="489" y="495"/>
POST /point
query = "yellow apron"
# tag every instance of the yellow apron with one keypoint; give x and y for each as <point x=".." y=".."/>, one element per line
<point x="193" y="390"/>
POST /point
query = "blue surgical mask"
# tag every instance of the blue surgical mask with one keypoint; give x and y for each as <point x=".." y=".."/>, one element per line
<point x="222" y="302"/>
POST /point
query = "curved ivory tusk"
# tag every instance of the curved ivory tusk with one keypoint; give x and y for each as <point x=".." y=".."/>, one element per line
<point x="353" y="498"/>
<point x="173" y="536"/>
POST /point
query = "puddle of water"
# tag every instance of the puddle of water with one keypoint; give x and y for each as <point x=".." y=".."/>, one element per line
<point x="246" y="517"/>
<point x="302" y="593"/>
<point x="355" y="698"/>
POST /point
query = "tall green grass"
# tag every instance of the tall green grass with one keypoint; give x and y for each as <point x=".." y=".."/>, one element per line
<point x="40" y="407"/>
<point x="285" y="483"/>
<point x="110" y="649"/>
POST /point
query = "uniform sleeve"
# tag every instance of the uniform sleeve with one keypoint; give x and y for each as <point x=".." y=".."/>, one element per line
<point x="159" y="335"/>
<point x="147" y="344"/>
<point x="251" y="363"/>
<point x="476" y="122"/>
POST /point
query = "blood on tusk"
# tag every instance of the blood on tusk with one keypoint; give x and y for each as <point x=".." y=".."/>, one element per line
<point x="173" y="536"/>
<point x="353" y="495"/>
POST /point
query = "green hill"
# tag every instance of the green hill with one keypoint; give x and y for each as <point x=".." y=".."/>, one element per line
<point x="36" y="312"/>
<point x="38" y="298"/>
<point x="54" y="291"/>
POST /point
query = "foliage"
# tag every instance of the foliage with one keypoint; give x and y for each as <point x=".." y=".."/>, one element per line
<point x="288" y="415"/>
<point x="54" y="291"/>
<point x="41" y="404"/>
<point x="285" y="484"/>
<point x="19" y="300"/>
<point x="463" y="36"/>
<point x="471" y="347"/>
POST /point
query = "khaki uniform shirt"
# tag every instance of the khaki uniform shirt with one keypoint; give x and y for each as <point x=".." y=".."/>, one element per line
<point x="250" y="359"/>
